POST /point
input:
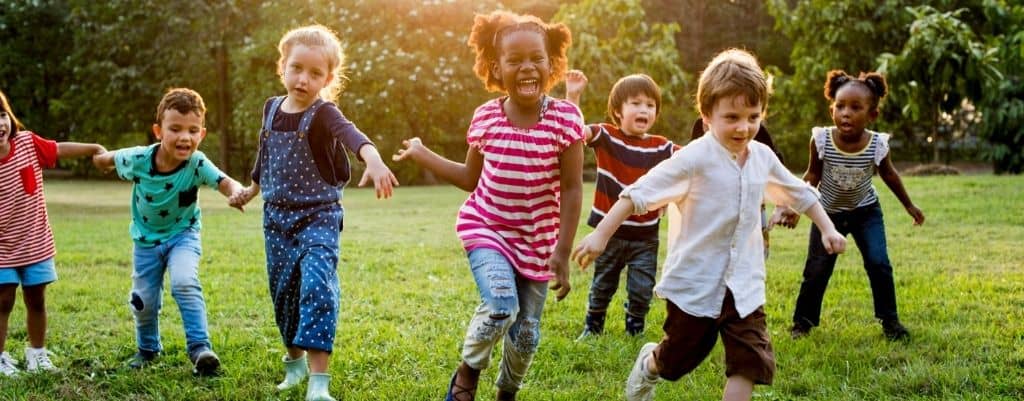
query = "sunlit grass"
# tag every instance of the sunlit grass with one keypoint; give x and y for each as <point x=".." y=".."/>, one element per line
<point x="407" y="296"/>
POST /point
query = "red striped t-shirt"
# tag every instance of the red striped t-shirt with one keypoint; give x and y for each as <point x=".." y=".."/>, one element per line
<point x="25" y="235"/>
<point x="515" y="206"/>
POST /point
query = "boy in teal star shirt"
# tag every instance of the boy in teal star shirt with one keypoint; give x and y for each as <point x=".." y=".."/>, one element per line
<point x="166" y="222"/>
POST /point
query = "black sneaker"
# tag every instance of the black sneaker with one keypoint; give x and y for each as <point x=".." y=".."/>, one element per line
<point x="142" y="358"/>
<point x="204" y="361"/>
<point x="634" y="325"/>
<point x="799" y="330"/>
<point x="593" y="325"/>
<point x="894" y="331"/>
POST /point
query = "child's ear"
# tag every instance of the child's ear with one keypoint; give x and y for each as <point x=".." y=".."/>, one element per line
<point x="156" y="132"/>
<point x="872" y="115"/>
<point x="495" y="70"/>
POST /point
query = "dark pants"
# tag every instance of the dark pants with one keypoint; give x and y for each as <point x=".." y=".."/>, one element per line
<point x="689" y="339"/>
<point x="868" y="230"/>
<point x="642" y="259"/>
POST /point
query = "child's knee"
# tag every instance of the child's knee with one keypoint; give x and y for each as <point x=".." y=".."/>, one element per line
<point x="526" y="337"/>
<point x="491" y="328"/>
<point x="141" y="304"/>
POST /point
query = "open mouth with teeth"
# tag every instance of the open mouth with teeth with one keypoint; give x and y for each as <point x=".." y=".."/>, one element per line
<point x="528" y="87"/>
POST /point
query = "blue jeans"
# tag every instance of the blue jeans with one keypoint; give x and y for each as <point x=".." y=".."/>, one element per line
<point x="179" y="256"/>
<point x="641" y="256"/>
<point x="868" y="230"/>
<point x="510" y="308"/>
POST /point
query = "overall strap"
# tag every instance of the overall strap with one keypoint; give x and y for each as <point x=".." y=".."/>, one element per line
<point x="307" y="117"/>
<point x="268" y="120"/>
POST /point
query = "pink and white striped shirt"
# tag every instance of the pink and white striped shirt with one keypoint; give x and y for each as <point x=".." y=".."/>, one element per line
<point x="515" y="206"/>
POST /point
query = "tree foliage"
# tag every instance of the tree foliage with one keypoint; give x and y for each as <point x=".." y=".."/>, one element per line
<point x="612" y="39"/>
<point x="1004" y="103"/>
<point x="942" y="65"/>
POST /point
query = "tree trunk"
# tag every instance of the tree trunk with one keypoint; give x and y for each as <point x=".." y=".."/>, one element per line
<point x="224" y="107"/>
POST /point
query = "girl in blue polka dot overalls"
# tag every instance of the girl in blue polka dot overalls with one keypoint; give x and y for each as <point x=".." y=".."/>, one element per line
<point x="301" y="169"/>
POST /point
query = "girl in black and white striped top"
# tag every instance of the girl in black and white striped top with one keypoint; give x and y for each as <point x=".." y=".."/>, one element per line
<point x="843" y="160"/>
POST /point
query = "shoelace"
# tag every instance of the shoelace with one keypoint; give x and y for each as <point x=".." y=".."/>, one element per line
<point x="42" y="360"/>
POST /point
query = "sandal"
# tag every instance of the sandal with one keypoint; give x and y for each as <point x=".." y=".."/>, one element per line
<point x="457" y="392"/>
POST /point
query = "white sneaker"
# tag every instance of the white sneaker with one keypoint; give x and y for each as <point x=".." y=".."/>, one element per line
<point x="38" y="360"/>
<point x="639" y="386"/>
<point x="8" y="366"/>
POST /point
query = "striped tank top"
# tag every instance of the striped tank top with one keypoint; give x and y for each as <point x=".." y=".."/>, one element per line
<point x="846" y="177"/>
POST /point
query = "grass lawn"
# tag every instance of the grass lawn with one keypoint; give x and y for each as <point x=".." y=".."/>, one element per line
<point x="407" y="295"/>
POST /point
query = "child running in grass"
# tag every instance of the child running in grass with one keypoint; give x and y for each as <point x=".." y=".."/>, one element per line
<point x="843" y="159"/>
<point x="714" y="277"/>
<point x="301" y="168"/>
<point x="166" y="222"/>
<point x="26" y="240"/>
<point x="624" y="151"/>
<point x="524" y="171"/>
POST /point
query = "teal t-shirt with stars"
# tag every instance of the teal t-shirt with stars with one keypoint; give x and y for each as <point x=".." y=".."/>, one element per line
<point x="164" y="204"/>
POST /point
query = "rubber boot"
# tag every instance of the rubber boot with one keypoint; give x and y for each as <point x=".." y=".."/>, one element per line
<point x="319" y="387"/>
<point x="295" y="371"/>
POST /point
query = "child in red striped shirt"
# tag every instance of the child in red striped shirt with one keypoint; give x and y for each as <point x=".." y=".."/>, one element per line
<point x="26" y="241"/>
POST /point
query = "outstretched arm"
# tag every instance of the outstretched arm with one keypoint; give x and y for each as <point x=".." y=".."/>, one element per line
<point x="575" y="82"/>
<point x="462" y="175"/>
<point x="229" y="188"/>
<point x="830" y="238"/>
<point x="592" y="246"/>
<point x="76" y="149"/>
<point x="892" y="179"/>
<point x="104" y="161"/>
<point x="383" y="179"/>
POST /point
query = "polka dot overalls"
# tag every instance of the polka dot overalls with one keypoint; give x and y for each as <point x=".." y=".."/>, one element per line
<point x="301" y="224"/>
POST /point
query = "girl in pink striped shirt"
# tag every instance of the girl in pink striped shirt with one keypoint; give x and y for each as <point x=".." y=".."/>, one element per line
<point x="523" y="171"/>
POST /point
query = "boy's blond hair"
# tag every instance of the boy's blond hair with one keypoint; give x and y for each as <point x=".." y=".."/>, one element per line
<point x="324" y="39"/>
<point x="184" y="100"/>
<point x="732" y="73"/>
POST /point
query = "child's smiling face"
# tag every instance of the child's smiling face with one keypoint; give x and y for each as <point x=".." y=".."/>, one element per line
<point x="734" y="122"/>
<point x="853" y="109"/>
<point x="5" y="126"/>
<point x="523" y="65"/>
<point x="179" y="134"/>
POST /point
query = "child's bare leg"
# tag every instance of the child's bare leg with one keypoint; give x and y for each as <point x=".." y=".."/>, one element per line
<point x="295" y="353"/>
<point x="318" y="360"/>
<point x="35" y="306"/>
<point x="738" y="388"/>
<point x="7" y="293"/>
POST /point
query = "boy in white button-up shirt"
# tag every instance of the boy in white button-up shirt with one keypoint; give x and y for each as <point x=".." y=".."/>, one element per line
<point x="714" y="276"/>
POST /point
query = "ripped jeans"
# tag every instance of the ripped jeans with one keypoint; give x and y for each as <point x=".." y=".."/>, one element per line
<point x="510" y="308"/>
<point x="179" y="257"/>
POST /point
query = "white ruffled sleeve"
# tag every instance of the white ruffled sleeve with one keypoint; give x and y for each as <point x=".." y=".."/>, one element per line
<point x="819" y="135"/>
<point x="882" y="149"/>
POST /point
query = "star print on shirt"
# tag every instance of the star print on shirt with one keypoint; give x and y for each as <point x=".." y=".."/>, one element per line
<point x="164" y="213"/>
<point x="149" y="198"/>
<point x="168" y="186"/>
<point x="188" y="197"/>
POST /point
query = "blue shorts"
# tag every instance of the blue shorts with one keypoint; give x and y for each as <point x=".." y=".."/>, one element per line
<point x="38" y="273"/>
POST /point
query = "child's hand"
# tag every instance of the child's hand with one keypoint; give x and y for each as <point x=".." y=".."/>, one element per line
<point x="103" y="161"/>
<point x="412" y="147"/>
<point x="575" y="82"/>
<point x="589" y="249"/>
<point x="784" y="216"/>
<point x="559" y="264"/>
<point x="833" y="241"/>
<point x="917" y="214"/>
<point x="383" y="179"/>
<point x="241" y="197"/>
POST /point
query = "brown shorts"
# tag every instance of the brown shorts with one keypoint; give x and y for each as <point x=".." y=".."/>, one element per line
<point x="689" y="339"/>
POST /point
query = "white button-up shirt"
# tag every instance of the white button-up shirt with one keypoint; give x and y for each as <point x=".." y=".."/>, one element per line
<point x="717" y="243"/>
